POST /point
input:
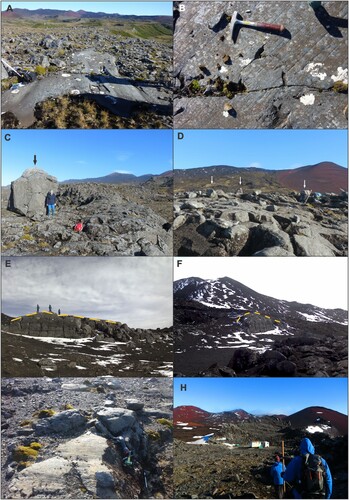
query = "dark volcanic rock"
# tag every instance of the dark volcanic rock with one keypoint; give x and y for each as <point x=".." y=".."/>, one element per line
<point x="117" y="220"/>
<point x="45" y="343"/>
<point x="303" y="359"/>
<point x="223" y="328"/>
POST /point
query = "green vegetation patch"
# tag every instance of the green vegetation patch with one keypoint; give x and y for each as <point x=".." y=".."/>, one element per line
<point x="165" y="421"/>
<point x="46" y="413"/>
<point x="194" y="86"/>
<point x="23" y="453"/>
<point x="76" y="112"/>
<point x="8" y="82"/>
<point x="35" y="446"/>
<point x="153" y="435"/>
<point x="40" y="70"/>
<point x="25" y="423"/>
<point x="146" y="31"/>
<point x="68" y="407"/>
<point x="340" y="87"/>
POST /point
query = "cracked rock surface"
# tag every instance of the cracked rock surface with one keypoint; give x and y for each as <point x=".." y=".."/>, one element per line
<point x="296" y="79"/>
<point x="73" y="426"/>
<point x="218" y="223"/>
<point x="117" y="219"/>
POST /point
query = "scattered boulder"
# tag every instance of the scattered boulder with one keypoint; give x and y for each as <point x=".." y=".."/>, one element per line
<point x="29" y="191"/>
<point x="66" y="423"/>
<point x="116" y="419"/>
<point x="134" y="404"/>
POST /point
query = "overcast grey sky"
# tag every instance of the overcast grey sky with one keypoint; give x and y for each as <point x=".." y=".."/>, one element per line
<point x="133" y="290"/>
<point x="320" y="281"/>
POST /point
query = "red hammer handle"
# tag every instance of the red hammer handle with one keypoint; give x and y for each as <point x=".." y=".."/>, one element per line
<point x="268" y="26"/>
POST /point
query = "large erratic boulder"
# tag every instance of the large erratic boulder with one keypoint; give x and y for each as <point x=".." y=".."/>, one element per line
<point x="29" y="191"/>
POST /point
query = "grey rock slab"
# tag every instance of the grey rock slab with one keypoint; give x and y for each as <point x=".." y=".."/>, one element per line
<point x="64" y="423"/>
<point x="134" y="404"/>
<point x="43" y="479"/>
<point x="192" y="205"/>
<point x="241" y="216"/>
<point x="118" y="94"/>
<point x="274" y="252"/>
<point x="75" y="387"/>
<point x="87" y="452"/>
<point x="116" y="419"/>
<point x="313" y="246"/>
<point x="288" y="79"/>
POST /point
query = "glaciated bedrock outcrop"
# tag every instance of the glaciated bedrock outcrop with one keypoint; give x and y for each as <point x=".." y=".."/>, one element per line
<point x="261" y="79"/>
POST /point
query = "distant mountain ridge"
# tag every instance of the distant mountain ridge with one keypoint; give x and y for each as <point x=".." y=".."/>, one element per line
<point x="322" y="177"/>
<point x="80" y="14"/>
<point x="332" y="421"/>
<point x="117" y="178"/>
<point x="228" y="294"/>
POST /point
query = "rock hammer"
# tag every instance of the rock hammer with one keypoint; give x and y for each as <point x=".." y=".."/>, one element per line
<point x="236" y="21"/>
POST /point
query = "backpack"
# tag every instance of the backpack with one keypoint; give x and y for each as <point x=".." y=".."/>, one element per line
<point x="313" y="474"/>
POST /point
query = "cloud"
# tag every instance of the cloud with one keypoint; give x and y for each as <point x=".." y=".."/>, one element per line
<point x="123" y="172"/>
<point x="81" y="162"/>
<point x="131" y="290"/>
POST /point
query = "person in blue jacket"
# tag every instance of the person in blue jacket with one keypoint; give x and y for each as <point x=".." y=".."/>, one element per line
<point x="276" y="473"/>
<point x="294" y="473"/>
<point x="50" y="203"/>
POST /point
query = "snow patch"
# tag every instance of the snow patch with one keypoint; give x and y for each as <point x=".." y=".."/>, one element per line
<point x="342" y="75"/>
<point x="245" y="62"/>
<point x="313" y="69"/>
<point x="307" y="100"/>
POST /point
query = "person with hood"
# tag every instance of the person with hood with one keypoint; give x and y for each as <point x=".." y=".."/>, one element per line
<point x="309" y="474"/>
<point x="50" y="202"/>
<point x="276" y="473"/>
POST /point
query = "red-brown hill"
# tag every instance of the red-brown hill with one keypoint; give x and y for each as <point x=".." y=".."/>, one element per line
<point x="190" y="414"/>
<point x="322" y="177"/>
<point x="326" y="420"/>
<point x="320" y="416"/>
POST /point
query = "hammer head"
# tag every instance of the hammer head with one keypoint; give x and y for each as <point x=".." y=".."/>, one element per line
<point x="234" y="25"/>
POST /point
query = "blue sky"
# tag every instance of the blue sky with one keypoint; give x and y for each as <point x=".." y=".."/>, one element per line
<point x="136" y="8"/>
<point x="271" y="149"/>
<point x="68" y="154"/>
<point x="262" y="395"/>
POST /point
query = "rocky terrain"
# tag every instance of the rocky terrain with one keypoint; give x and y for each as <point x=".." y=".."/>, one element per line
<point x="128" y="219"/>
<point x="72" y="438"/>
<point x="41" y="344"/>
<point x="109" y="72"/>
<point x="264" y="216"/>
<point x="226" y="467"/>
<point x="255" y="78"/>
<point x="223" y="328"/>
